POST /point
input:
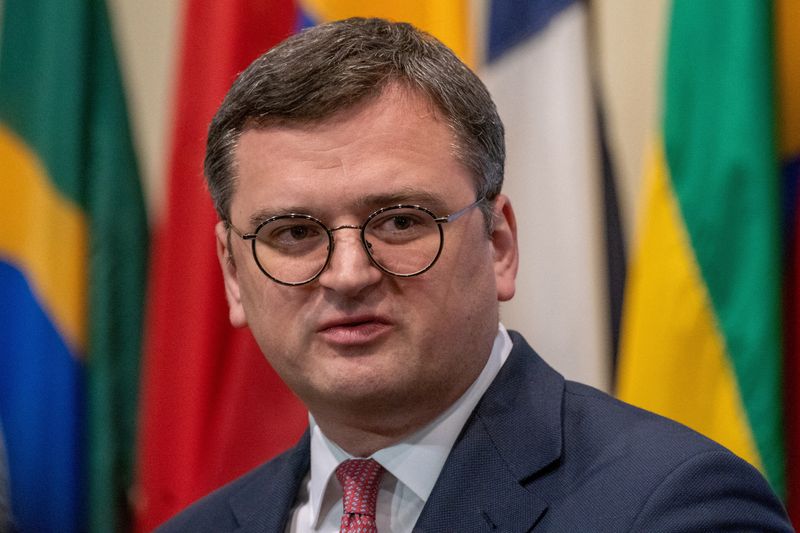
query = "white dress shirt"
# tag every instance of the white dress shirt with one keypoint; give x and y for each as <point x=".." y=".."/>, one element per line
<point x="412" y="465"/>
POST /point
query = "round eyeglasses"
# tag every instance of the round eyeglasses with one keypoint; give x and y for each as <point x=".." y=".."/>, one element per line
<point x="401" y="240"/>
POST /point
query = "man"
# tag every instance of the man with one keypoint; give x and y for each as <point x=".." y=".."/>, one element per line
<point x="357" y="170"/>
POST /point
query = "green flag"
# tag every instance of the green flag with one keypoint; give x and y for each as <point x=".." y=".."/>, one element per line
<point x="73" y="240"/>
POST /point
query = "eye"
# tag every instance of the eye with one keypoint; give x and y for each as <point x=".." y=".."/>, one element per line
<point x="298" y="232"/>
<point x="396" y="222"/>
<point x="403" y="225"/>
<point x="290" y="234"/>
<point x="294" y="232"/>
<point x="401" y="222"/>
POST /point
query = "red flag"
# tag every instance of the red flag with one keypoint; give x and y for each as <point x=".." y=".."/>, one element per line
<point x="212" y="408"/>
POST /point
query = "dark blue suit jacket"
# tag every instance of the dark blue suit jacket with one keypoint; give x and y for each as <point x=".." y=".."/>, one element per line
<point x="541" y="454"/>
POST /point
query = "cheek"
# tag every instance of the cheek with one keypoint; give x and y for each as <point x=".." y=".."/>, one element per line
<point x="264" y="305"/>
<point x="251" y="288"/>
<point x="275" y="313"/>
<point x="471" y="264"/>
<point x="273" y="324"/>
<point x="474" y="293"/>
<point x="460" y="287"/>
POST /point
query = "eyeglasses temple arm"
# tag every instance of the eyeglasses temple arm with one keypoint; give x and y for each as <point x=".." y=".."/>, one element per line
<point x="454" y="216"/>
<point x="245" y="236"/>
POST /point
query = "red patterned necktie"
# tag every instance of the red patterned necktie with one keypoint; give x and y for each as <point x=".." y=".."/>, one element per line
<point x="360" y="479"/>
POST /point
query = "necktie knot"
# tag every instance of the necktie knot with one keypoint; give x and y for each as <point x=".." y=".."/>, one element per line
<point x="360" y="480"/>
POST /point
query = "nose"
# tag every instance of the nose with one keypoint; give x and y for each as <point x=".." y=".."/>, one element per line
<point x="350" y="269"/>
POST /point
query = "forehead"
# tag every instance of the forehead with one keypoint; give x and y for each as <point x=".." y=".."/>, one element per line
<point x="394" y="144"/>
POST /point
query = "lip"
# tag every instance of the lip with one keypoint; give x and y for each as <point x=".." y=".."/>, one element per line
<point x="354" y="330"/>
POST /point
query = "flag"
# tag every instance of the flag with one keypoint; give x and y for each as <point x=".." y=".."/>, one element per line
<point x="538" y="71"/>
<point x="450" y="21"/>
<point x="701" y="338"/>
<point x="212" y="408"/>
<point x="5" y="505"/>
<point x="73" y="239"/>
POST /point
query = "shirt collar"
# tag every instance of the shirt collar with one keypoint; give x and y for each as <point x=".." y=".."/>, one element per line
<point x="417" y="460"/>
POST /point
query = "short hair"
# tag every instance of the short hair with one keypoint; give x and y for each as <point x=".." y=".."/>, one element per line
<point x="329" y="68"/>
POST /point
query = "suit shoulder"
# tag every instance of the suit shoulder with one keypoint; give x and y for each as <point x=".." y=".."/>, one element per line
<point x="602" y="424"/>
<point x="223" y="509"/>
<point x="211" y="512"/>
<point x="671" y="477"/>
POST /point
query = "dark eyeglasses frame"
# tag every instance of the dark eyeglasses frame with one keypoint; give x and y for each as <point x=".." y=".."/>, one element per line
<point x="331" y="241"/>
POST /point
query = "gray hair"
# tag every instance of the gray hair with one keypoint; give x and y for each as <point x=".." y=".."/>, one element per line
<point x="326" y="69"/>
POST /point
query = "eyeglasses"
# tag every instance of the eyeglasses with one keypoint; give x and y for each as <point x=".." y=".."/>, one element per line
<point x="401" y="240"/>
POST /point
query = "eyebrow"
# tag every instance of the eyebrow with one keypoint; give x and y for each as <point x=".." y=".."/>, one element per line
<point x="266" y="213"/>
<point x="405" y="196"/>
<point x="369" y="202"/>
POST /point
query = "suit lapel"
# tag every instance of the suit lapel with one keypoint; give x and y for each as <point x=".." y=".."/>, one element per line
<point x="513" y="435"/>
<point x="264" y="504"/>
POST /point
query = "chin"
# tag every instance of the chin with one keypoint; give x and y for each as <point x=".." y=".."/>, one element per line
<point x="367" y="393"/>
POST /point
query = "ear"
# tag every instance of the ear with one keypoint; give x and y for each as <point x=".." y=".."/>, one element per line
<point x="230" y="274"/>
<point x="506" y="251"/>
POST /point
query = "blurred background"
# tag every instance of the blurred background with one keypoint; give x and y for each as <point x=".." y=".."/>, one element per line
<point x="652" y="161"/>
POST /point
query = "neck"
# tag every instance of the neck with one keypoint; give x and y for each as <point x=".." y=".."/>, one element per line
<point x="363" y="433"/>
<point x="360" y="441"/>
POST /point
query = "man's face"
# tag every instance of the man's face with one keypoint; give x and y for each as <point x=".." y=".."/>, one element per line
<point x="358" y="340"/>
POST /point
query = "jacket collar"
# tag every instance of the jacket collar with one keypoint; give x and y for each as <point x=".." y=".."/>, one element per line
<point x="266" y="502"/>
<point x="486" y="477"/>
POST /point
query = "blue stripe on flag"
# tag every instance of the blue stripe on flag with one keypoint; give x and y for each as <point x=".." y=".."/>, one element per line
<point x="791" y="189"/>
<point x="513" y="21"/>
<point x="304" y="19"/>
<point x="41" y="400"/>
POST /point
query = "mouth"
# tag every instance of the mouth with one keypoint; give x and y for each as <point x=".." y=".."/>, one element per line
<point x="354" y="330"/>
